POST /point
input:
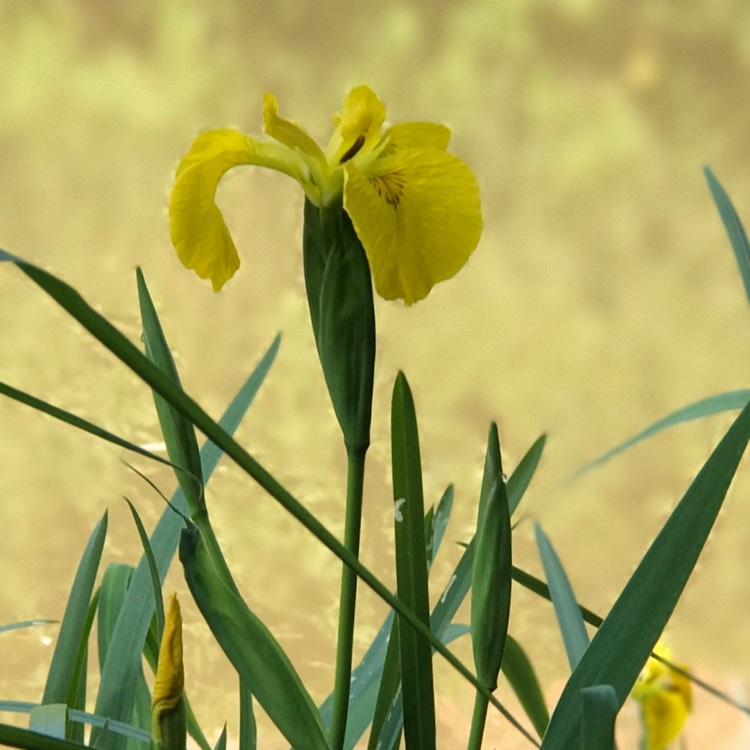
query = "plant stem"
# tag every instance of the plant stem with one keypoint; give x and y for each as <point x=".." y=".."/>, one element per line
<point x="353" y="521"/>
<point x="478" y="719"/>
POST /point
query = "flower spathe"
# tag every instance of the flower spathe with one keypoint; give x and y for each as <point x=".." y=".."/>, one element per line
<point x="665" y="696"/>
<point x="414" y="207"/>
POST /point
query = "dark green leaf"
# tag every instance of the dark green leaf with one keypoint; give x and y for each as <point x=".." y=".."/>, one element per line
<point x="520" y="674"/>
<point x="179" y="433"/>
<point x="599" y="707"/>
<point x="411" y="569"/>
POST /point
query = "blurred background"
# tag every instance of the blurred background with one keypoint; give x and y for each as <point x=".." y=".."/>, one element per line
<point x="602" y="296"/>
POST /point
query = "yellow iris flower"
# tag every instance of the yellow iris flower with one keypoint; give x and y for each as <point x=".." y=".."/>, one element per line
<point x="415" y="207"/>
<point x="665" y="696"/>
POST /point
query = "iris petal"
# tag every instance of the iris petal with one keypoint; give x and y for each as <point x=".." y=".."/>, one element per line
<point x="417" y="213"/>
<point x="198" y="231"/>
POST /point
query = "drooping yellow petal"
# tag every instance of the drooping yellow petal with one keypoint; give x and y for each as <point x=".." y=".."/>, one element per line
<point x="197" y="228"/>
<point x="417" y="213"/>
<point x="170" y="676"/>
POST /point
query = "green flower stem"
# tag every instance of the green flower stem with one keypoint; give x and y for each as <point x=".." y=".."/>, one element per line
<point x="478" y="720"/>
<point x="342" y="684"/>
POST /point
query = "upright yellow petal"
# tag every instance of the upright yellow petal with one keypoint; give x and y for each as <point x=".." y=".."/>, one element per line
<point x="418" y="215"/>
<point x="196" y="225"/>
<point x="358" y="126"/>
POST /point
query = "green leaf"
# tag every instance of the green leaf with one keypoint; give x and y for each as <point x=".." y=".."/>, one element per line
<point x="221" y="743"/>
<point x="599" y="707"/>
<point x="411" y="569"/>
<point x="71" y="419"/>
<point x="148" y="553"/>
<point x="81" y="717"/>
<point x="179" y="433"/>
<point x="61" y="685"/>
<point x="25" y="624"/>
<point x="521" y="477"/>
<point x="733" y="225"/>
<point x="567" y="611"/>
<point x="628" y="634"/>
<point x="251" y="648"/>
<point x="24" y="738"/>
<point x="523" y="680"/>
<point x="540" y="588"/>
<point x="705" y="407"/>
<point x="50" y="719"/>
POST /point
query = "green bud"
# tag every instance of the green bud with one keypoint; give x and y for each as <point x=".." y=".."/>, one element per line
<point x="491" y="572"/>
<point x="339" y="293"/>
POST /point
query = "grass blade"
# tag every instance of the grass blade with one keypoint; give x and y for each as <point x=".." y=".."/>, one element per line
<point x="179" y="433"/>
<point x="520" y="674"/>
<point x="411" y="569"/>
<point x="77" y="422"/>
<point x="734" y="228"/>
<point x="522" y="476"/>
<point x="60" y="687"/>
<point x="25" y="624"/>
<point x="567" y="611"/>
<point x="628" y="634"/>
<point x="731" y="401"/>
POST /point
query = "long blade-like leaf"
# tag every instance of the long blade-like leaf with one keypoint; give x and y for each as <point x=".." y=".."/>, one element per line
<point x="732" y="401"/>
<point x="411" y="570"/>
<point x="520" y="674"/>
<point x="734" y="228"/>
<point x="568" y="613"/>
<point x="59" y="687"/>
<point x="628" y="634"/>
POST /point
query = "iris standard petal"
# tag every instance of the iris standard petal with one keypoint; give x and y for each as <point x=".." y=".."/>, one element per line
<point x="418" y="216"/>
<point x="197" y="228"/>
<point x="357" y="126"/>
